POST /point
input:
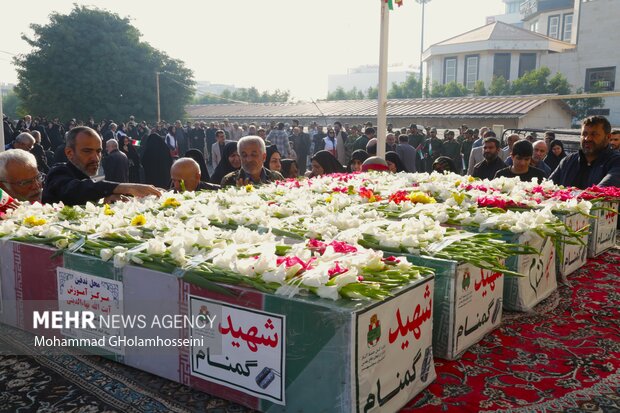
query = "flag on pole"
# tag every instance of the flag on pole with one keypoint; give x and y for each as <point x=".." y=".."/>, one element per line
<point x="390" y="3"/>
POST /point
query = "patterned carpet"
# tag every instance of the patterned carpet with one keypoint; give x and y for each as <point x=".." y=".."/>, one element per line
<point x="563" y="357"/>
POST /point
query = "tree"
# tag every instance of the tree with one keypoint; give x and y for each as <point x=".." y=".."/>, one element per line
<point x="250" y="95"/>
<point x="499" y="86"/>
<point x="411" y="88"/>
<point x="12" y="106"/>
<point x="582" y="106"/>
<point x="479" y="89"/>
<point x="92" y="63"/>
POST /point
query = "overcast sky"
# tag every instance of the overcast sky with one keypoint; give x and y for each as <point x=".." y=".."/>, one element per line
<point x="269" y="44"/>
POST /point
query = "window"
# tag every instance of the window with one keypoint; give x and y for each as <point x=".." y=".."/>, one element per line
<point x="553" y="27"/>
<point x="449" y="70"/>
<point x="600" y="79"/>
<point x="567" y="28"/>
<point x="512" y="7"/>
<point x="534" y="26"/>
<point x="527" y="63"/>
<point x="471" y="71"/>
<point x="501" y="65"/>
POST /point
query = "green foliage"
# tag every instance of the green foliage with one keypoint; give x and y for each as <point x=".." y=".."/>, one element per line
<point x="581" y="107"/>
<point x="12" y="105"/>
<point x="411" y="88"/>
<point x="479" y="89"/>
<point x="372" y="93"/>
<point x="92" y="63"/>
<point x="499" y="86"/>
<point x="250" y="95"/>
<point x="452" y="89"/>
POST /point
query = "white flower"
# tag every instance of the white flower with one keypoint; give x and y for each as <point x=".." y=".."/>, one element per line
<point x="106" y="254"/>
<point x="326" y="291"/>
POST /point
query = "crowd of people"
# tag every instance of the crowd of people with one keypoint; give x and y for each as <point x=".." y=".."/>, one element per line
<point x="48" y="161"/>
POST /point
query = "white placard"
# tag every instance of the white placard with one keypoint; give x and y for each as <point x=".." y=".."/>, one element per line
<point x="245" y="350"/>
<point x="394" y="357"/>
<point x="478" y="305"/>
<point x="78" y="291"/>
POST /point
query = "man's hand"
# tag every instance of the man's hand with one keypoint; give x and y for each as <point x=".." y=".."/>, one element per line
<point x="137" y="190"/>
<point x="243" y="182"/>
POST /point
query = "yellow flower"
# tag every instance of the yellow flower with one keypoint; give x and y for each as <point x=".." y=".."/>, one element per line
<point x="107" y="210"/>
<point x="457" y="183"/>
<point x="372" y="199"/>
<point x="138" y="220"/>
<point x="171" y="202"/>
<point x="33" y="221"/>
<point x="328" y="199"/>
<point x="418" y="197"/>
<point x="471" y="179"/>
<point x="249" y="188"/>
<point x="458" y="197"/>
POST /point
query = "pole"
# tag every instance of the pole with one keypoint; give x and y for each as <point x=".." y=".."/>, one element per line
<point x="1" y="130"/>
<point x="382" y="96"/>
<point x="158" y="106"/>
<point x="422" y="41"/>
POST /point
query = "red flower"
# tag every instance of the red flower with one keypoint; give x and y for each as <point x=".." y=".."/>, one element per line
<point x="336" y="270"/>
<point x="398" y="197"/>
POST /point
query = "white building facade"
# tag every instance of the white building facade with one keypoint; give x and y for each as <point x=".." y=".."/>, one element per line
<point x="574" y="37"/>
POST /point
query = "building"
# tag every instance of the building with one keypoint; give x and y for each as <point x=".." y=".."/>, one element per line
<point x="512" y="112"/>
<point x="497" y="49"/>
<point x="512" y="14"/>
<point x="574" y="37"/>
<point x="365" y="77"/>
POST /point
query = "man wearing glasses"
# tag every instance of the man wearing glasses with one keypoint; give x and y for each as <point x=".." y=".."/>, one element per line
<point x="19" y="176"/>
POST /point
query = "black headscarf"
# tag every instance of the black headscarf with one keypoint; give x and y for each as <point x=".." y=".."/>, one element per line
<point x="196" y="154"/>
<point x="270" y="150"/>
<point x="156" y="161"/>
<point x="395" y="159"/>
<point x="328" y="162"/>
<point x="552" y="160"/>
<point x="286" y="167"/>
<point x="446" y="164"/>
<point x="224" y="167"/>
<point x="359" y="155"/>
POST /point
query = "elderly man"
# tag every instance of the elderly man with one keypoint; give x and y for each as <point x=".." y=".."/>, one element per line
<point x="507" y="151"/>
<point x="538" y="158"/>
<point x="116" y="164"/>
<point x="71" y="183"/>
<point x="19" y="176"/>
<point x="253" y="154"/>
<point x="24" y="141"/>
<point x="185" y="176"/>
<point x="595" y="163"/>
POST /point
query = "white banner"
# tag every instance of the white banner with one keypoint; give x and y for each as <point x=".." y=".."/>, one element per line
<point x="478" y="306"/>
<point x="394" y="357"/>
<point x="245" y="350"/>
<point x="78" y="291"/>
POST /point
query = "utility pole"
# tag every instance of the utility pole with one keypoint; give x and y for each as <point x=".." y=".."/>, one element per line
<point x="158" y="105"/>
<point x="422" y="2"/>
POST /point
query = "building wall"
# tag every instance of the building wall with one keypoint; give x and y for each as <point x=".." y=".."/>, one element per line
<point x="598" y="38"/>
<point x="543" y="23"/>
<point x="549" y="115"/>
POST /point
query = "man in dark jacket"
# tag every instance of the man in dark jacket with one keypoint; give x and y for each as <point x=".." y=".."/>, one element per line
<point x="116" y="164"/>
<point x="595" y="163"/>
<point x="71" y="183"/>
<point x="492" y="162"/>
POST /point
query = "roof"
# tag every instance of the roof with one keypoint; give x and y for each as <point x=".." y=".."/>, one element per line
<point x="511" y="107"/>
<point x="497" y="36"/>
<point x="495" y="31"/>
